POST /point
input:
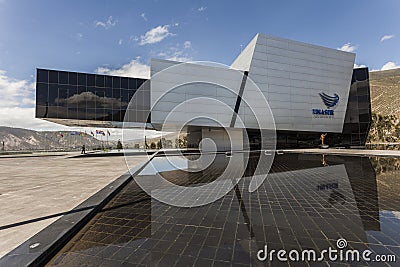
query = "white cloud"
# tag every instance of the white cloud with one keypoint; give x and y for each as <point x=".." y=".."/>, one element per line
<point x="15" y="92"/>
<point x="202" y="8"/>
<point x="17" y="104"/>
<point x="177" y="53"/>
<point x="387" y="66"/>
<point x="187" y="44"/>
<point x="143" y="15"/>
<point x="348" y="47"/>
<point x="390" y="65"/>
<point x="155" y="35"/>
<point x="25" y="118"/>
<point x="110" y="22"/>
<point x="359" y="66"/>
<point x="120" y="41"/>
<point x="387" y="37"/>
<point x="135" y="68"/>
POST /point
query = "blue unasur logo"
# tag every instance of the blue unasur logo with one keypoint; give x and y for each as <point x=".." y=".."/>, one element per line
<point x="330" y="102"/>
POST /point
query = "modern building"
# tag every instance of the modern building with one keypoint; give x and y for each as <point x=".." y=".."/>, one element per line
<point x="299" y="89"/>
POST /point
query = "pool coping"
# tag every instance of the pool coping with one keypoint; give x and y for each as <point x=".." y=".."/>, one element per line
<point x="40" y="248"/>
<point x="345" y="152"/>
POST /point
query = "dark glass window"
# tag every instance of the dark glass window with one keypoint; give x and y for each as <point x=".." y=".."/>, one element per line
<point x="100" y="81"/>
<point x="100" y="100"/>
<point x="63" y="94"/>
<point x="41" y="94"/>
<point x="125" y="94"/>
<point x="116" y="82"/>
<point x="363" y="90"/>
<point x="81" y="113"/>
<point x="364" y="127"/>
<point x="364" y="117"/>
<point x="90" y="113"/>
<point x="82" y="79"/>
<point x="364" y="111"/>
<point x="116" y="93"/>
<point x="53" y="94"/>
<point x="139" y="82"/>
<point x="355" y="139"/>
<point x="124" y="83"/>
<point x="108" y="92"/>
<point x="108" y="81"/>
<point x="355" y="127"/>
<point x="363" y="102"/>
<point x="53" y="76"/>
<point x="73" y="78"/>
<point x="63" y="77"/>
<point x="99" y="115"/>
<point x="90" y="79"/>
<point x="42" y="76"/>
<point x="116" y="116"/>
<point x="361" y="75"/>
<point x="132" y="84"/>
<point x="91" y="97"/>
<point x="72" y="92"/>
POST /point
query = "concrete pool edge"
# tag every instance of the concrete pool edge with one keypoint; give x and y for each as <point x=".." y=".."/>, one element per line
<point x="345" y="152"/>
<point x="41" y="247"/>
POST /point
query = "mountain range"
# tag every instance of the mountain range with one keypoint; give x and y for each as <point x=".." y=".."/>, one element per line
<point x="24" y="139"/>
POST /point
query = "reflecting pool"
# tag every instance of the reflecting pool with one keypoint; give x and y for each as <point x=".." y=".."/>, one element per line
<point x="307" y="202"/>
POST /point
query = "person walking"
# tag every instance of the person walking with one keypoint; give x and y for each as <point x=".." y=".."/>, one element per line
<point x="83" y="149"/>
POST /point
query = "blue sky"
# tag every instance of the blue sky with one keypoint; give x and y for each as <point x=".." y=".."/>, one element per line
<point x="120" y="37"/>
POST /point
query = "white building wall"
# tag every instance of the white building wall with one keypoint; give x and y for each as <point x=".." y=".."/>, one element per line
<point x="288" y="74"/>
<point x="224" y="139"/>
<point x="196" y="91"/>
<point x="292" y="74"/>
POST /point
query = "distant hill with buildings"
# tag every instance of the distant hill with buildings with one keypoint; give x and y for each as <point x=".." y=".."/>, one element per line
<point x="28" y="140"/>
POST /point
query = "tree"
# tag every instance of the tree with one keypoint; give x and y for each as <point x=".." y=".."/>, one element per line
<point x="159" y="144"/>
<point x="153" y="145"/>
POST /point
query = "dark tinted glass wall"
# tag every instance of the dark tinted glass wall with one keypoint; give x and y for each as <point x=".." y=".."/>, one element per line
<point x="358" y="117"/>
<point x="83" y="96"/>
<point x="356" y="123"/>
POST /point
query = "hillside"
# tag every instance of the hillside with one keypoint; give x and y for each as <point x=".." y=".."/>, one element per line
<point x="385" y="99"/>
<point x="24" y="139"/>
<point x="385" y="92"/>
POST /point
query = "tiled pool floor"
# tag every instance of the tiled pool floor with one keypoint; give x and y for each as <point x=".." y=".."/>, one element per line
<point x="307" y="202"/>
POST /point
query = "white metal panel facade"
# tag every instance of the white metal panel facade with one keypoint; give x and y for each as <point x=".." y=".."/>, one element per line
<point x="291" y="75"/>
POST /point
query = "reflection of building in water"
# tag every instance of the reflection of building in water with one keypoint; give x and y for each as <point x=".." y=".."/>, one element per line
<point x="300" y="205"/>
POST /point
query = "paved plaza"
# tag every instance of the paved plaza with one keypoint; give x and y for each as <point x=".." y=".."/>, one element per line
<point x="33" y="188"/>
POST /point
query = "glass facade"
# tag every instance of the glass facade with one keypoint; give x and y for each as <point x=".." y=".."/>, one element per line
<point x="358" y="117"/>
<point x="82" y="96"/>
